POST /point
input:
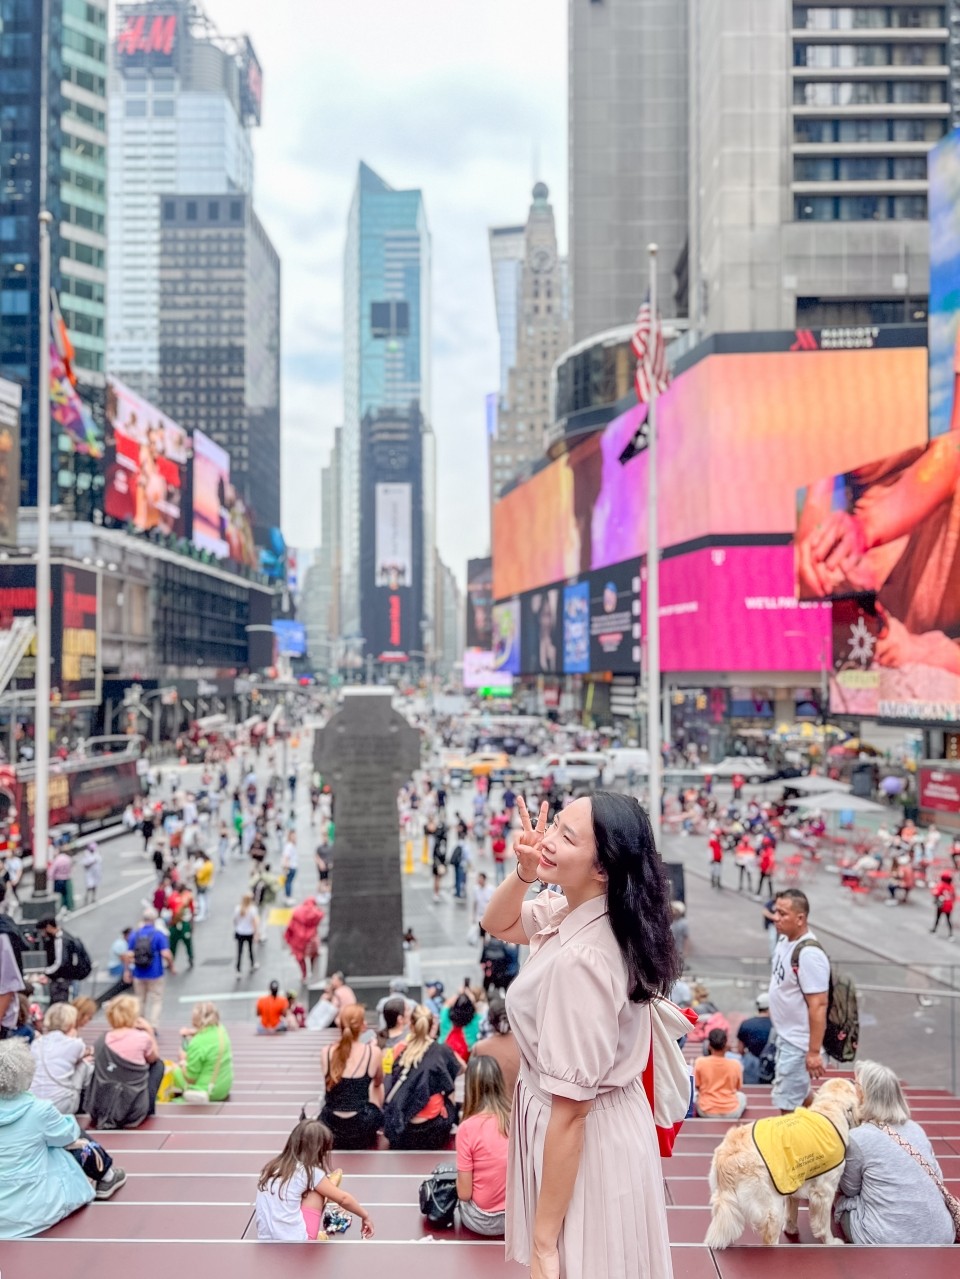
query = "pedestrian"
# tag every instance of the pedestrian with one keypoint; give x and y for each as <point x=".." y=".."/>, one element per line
<point x="768" y="865"/>
<point x="799" y="994"/>
<point x="147" y="828"/>
<point x="246" y="930"/>
<point x="459" y="860"/>
<point x="61" y="871"/>
<point x="738" y="782"/>
<point x="182" y="912"/>
<point x="223" y="844"/>
<point x="149" y="958"/>
<point x="499" y="847"/>
<point x="585" y="1191"/>
<point x="439" y="868"/>
<point x="119" y="969"/>
<point x="301" y="935"/>
<point x="745" y="858"/>
<point x="716" y="859"/>
<point x="482" y="892"/>
<point x="288" y="864"/>
<point x="680" y="929"/>
<point x="203" y="878"/>
<point x="92" y="873"/>
<point x="945" y="896"/>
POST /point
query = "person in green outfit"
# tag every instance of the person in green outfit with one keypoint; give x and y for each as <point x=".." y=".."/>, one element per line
<point x="206" y="1065"/>
<point x="182" y="911"/>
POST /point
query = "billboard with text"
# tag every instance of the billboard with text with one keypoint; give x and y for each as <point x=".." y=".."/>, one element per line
<point x="147" y="457"/>
<point x="394" y="535"/>
<point x="480" y="603"/>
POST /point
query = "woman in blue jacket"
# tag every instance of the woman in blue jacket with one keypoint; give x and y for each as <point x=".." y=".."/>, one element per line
<point x="41" y="1147"/>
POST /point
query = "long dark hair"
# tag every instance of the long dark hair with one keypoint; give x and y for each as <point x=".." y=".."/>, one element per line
<point x="309" y="1146"/>
<point x="638" y="895"/>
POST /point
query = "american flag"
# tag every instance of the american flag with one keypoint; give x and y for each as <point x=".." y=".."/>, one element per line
<point x="652" y="371"/>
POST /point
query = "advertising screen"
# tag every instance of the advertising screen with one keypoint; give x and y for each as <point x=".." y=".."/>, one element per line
<point x="74" y="628"/>
<point x="615" y="619"/>
<point x="788" y="417"/>
<point x="291" y="638"/>
<point x="887" y="534"/>
<point x="480" y="672"/>
<point x="147" y="40"/>
<point x="939" y="789"/>
<point x="733" y="608"/>
<point x="576" y="628"/>
<point x="479" y="603"/>
<point x="394" y="535"/>
<point x="221" y="523"/>
<point x="506" y="637"/>
<point x="251" y="84"/>
<point x="146" y="464"/>
<point x="11" y="395"/>
<point x="944" y="323"/>
<point x="541" y="631"/>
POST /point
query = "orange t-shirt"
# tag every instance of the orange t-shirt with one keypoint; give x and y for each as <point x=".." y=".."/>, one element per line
<point x="270" y="1009"/>
<point x="717" y="1080"/>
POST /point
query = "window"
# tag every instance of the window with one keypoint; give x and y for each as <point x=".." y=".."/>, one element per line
<point x="819" y="208"/>
<point x="169" y="210"/>
<point x="910" y="168"/>
<point x="163" y="106"/>
<point x="912" y="207"/>
<point x="809" y="170"/>
<point x="213" y="211"/>
<point x="916" y="91"/>
<point x="814" y="130"/>
<point x="191" y="210"/>
<point x="236" y="211"/>
<point x="862" y="131"/>
<point x="918" y="130"/>
<point x="134" y="108"/>
<point x="862" y="208"/>
<point x="861" y="169"/>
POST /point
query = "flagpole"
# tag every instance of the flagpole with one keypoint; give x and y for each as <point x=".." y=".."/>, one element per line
<point x="41" y="808"/>
<point x="653" y="565"/>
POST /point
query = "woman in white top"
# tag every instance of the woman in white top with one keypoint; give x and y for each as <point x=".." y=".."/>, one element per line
<point x="92" y="873"/>
<point x="63" y="1060"/>
<point x="246" y="930"/>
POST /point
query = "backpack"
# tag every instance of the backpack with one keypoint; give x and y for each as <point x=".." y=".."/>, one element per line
<point x="76" y="964"/>
<point x="143" y="948"/>
<point x="768" y="1060"/>
<point x="438" y="1196"/>
<point x="842" y="1034"/>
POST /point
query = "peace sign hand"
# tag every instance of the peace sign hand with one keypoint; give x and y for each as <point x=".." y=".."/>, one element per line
<point x="527" y="845"/>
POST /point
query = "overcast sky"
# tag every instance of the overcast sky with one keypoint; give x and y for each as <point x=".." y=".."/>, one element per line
<point x="457" y="97"/>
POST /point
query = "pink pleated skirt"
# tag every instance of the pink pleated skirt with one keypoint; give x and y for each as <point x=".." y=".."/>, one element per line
<point x="616" y="1224"/>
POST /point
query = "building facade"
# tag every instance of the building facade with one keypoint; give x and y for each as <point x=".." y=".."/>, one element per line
<point x="53" y="155"/>
<point x="218" y="314"/>
<point x="809" y="132"/>
<point x="387" y="319"/>
<point x="321" y="588"/>
<point x="183" y="102"/>
<point x="507" y="252"/>
<point x="542" y="332"/>
<point x="450" y="622"/>
<point x="628" y="106"/>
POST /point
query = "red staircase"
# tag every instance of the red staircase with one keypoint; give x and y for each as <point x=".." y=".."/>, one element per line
<point x="191" y="1184"/>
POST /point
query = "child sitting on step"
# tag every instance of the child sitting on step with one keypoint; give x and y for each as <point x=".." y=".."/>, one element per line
<point x="296" y="1187"/>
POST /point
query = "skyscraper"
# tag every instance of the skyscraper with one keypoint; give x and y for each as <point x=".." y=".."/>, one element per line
<point x="219" y="329"/>
<point x="386" y="362"/>
<point x="538" y="309"/>
<point x="183" y="100"/>
<point x="53" y="143"/>
<point x="507" y="251"/>
<point x="628" y="104"/>
<point x="810" y="127"/>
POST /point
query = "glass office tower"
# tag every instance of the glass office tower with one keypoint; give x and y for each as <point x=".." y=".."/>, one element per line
<point x="386" y="361"/>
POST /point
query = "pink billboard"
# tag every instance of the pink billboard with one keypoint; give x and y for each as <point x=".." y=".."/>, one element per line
<point x="732" y="608"/>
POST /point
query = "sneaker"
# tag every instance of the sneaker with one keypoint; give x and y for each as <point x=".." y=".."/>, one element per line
<point x="110" y="1184"/>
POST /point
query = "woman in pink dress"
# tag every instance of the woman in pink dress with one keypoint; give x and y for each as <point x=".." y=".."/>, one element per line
<point x="584" y="1189"/>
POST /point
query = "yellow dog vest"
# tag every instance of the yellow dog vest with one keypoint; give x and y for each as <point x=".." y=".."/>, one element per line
<point x="797" y="1147"/>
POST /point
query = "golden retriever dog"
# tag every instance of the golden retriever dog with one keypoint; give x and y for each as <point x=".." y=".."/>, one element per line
<point x="744" y="1192"/>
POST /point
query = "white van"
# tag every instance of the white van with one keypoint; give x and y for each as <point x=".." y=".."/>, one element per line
<point x="624" y="760"/>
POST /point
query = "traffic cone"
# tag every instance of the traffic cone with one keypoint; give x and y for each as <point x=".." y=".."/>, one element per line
<point x="408" y="858"/>
<point x="425" y="856"/>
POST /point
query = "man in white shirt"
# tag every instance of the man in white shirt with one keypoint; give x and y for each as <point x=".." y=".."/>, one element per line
<point x="799" y="994"/>
<point x="288" y="864"/>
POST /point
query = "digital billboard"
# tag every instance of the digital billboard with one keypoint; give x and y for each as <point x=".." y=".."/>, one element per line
<point x="883" y="541"/>
<point x="147" y="40"/>
<point x="291" y="638"/>
<point x="944" y="322"/>
<point x="479" y="671"/>
<point x="739" y="433"/>
<point x="74" y="628"/>
<point x="541" y="632"/>
<point x="479" y="603"/>
<point x="251" y="84"/>
<point x="576" y="628"/>
<point x="221" y="522"/>
<point x="11" y="395"/>
<point x="939" y="788"/>
<point x="615" y="619"/>
<point x="506" y="637"/>
<point x="394" y="535"/>
<point x="147" y="459"/>
<point x="733" y="608"/>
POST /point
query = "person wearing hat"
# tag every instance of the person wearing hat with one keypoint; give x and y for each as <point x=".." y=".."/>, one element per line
<point x="753" y="1035"/>
<point x="434" y="997"/>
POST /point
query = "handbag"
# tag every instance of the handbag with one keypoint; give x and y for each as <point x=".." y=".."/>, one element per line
<point x="952" y="1202"/>
<point x="439" y="1198"/>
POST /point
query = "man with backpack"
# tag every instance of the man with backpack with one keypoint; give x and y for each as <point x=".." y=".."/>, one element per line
<point x="68" y="962"/>
<point x="799" y="994"/>
<point x="149" y="956"/>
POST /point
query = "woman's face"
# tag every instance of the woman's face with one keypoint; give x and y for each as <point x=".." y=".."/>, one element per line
<point x="568" y="854"/>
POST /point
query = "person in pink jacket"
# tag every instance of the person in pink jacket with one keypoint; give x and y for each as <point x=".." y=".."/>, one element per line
<point x="301" y="934"/>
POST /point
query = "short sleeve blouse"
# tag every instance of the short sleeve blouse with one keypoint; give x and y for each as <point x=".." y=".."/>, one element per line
<point x="578" y="1032"/>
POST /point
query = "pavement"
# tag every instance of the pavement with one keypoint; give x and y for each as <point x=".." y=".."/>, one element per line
<point x="918" y="1033"/>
